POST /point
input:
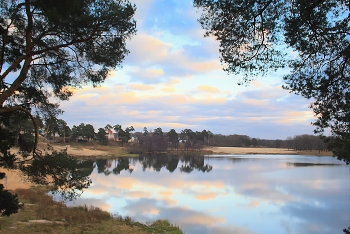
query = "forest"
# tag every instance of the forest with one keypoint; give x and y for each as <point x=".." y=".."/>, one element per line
<point x="157" y="140"/>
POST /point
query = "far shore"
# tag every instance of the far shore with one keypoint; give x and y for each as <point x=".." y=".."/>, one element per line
<point x="258" y="150"/>
<point x="110" y="151"/>
<point x="14" y="179"/>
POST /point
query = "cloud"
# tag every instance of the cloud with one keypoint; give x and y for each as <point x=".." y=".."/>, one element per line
<point x="136" y="194"/>
<point x="253" y="112"/>
<point x="166" y="193"/>
<point x="159" y="61"/>
<point x="168" y="89"/>
<point x="147" y="75"/>
<point x="173" y="79"/>
<point x="146" y="50"/>
<point x="208" y="89"/>
<point x="140" y="87"/>
<point x="206" y="196"/>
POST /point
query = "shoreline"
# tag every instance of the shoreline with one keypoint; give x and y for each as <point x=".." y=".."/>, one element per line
<point x="274" y="151"/>
<point x="15" y="180"/>
<point x="85" y="152"/>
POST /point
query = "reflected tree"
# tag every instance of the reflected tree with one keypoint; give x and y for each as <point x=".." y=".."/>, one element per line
<point x="157" y="163"/>
<point x="123" y="164"/>
<point x="205" y="168"/>
<point x="186" y="168"/>
<point x="172" y="164"/>
<point x="194" y="162"/>
<point x="104" y="166"/>
<point x="101" y="165"/>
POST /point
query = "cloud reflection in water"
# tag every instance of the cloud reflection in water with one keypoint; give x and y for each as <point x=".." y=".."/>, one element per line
<point x="240" y="194"/>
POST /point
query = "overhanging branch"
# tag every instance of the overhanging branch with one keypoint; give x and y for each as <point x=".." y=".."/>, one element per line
<point x="19" y="108"/>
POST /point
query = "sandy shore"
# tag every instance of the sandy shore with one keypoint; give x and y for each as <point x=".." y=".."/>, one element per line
<point x="79" y="151"/>
<point x="215" y="150"/>
<point x="86" y="152"/>
<point x="101" y="151"/>
<point x="242" y="150"/>
<point x="13" y="179"/>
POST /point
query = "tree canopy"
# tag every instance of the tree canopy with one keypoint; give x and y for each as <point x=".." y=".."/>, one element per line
<point x="311" y="38"/>
<point x="123" y="135"/>
<point x="48" y="48"/>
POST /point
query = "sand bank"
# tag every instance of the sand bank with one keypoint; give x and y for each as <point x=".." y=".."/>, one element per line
<point x="242" y="150"/>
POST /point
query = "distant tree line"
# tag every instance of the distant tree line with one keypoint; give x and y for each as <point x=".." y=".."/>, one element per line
<point x="157" y="141"/>
<point x="299" y="142"/>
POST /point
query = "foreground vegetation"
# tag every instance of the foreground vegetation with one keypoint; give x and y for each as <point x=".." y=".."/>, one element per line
<point x="40" y="214"/>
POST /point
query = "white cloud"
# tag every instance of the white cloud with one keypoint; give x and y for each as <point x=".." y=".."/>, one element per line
<point x="173" y="78"/>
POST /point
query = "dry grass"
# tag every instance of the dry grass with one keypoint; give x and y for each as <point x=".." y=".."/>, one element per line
<point x="55" y="217"/>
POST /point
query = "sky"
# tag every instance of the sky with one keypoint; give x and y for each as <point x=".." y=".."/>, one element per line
<point x="173" y="78"/>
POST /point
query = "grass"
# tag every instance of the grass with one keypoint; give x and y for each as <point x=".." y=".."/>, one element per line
<point x="62" y="219"/>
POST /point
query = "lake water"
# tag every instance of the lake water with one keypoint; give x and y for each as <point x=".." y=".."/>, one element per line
<point x="230" y="194"/>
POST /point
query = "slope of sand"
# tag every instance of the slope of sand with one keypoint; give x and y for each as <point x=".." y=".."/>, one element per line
<point x="86" y="152"/>
<point x="13" y="180"/>
<point x="242" y="150"/>
<point x="77" y="151"/>
<point x="215" y="150"/>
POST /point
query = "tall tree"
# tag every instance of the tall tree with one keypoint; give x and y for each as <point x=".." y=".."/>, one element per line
<point x="48" y="47"/>
<point x="51" y="128"/>
<point x="173" y="137"/>
<point x="86" y="131"/>
<point x="63" y="129"/>
<point x="101" y="136"/>
<point x="77" y="131"/>
<point x="89" y="131"/>
<point x="311" y="38"/>
<point x="108" y="127"/>
<point x="145" y="131"/>
<point x="123" y="135"/>
<point x="158" y="131"/>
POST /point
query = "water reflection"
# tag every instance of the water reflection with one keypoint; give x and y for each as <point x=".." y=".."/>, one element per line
<point x="104" y="166"/>
<point x="154" y="163"/>
<point x="297" y="164"/>
<point x="241" y="194"/>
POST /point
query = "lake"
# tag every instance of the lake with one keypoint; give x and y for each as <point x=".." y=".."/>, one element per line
<point x="226" y="194"/>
